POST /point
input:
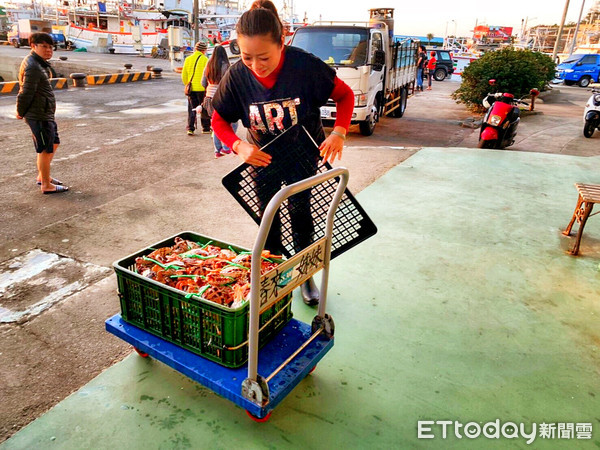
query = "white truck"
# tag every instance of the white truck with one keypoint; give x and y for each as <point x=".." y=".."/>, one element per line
<point x="380" y="70"/>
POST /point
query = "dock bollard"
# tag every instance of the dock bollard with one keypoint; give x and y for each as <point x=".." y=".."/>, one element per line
<point x="149" y="68"/>
<point x="78" y="79"/>
<point x="534" y="93"/>
<point x="128" y="66"/>
<point x="156" y="72"/>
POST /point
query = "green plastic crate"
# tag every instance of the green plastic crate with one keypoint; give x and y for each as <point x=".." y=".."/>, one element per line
<point x="213" y="331"/>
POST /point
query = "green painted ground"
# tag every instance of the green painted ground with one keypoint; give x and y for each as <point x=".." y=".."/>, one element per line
<point x="464" y="307"/>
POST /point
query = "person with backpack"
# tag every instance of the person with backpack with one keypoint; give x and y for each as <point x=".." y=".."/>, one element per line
<point x="431" y="64"/>
<point x="421" y="64"/>
<point x="216" y="67"/>
<point x="191" y="75"/>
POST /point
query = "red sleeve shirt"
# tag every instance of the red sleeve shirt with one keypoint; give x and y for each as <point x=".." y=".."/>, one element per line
<point x="342" y="95"/>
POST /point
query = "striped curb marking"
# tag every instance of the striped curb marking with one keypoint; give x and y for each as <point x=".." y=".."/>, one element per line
<point x="59" y="83"/>
<point x="118" y="78"/>
<point x="9" y="87"/>
<point x="12" y="87"/>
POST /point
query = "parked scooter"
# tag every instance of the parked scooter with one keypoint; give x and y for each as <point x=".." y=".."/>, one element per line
<point x="499" y="126"/>
<point x="591" y="115"/>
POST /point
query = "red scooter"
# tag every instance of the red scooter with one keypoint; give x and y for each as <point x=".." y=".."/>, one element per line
<point x="499" y="126"/>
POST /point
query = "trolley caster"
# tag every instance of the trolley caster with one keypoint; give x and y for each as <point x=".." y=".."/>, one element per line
<point x="312" y="370"/>
<point x="141" y="353"/>
<point x="258" y="419"/>
<point x="326" y="323"/>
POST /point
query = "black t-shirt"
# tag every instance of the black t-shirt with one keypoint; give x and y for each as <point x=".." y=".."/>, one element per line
<point x="423" y="62"/>
<point x="304" y="84"/>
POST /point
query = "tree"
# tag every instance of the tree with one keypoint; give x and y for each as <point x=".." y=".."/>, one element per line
<point x="515" y="71"/>
<point x="430" y="36"/>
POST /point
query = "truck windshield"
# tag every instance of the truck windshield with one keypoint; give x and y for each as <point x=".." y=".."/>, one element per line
<point x="571" y="60"/>
<point x="335" y="46"/>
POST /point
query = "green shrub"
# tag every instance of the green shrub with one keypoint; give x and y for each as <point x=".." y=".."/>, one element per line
<point x="515" y="71"/>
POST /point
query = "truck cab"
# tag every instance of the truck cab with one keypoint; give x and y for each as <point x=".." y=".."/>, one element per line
<point x="19" y="33"/>
<point x="351" y="52"/>
<point x="366" y="59"/>
<point x="582" y="69"/>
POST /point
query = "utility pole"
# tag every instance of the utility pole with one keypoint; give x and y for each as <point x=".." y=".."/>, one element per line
<point x="560" y="29"/>
<point x="574" y="43"/>
<point x="196" y="29"/>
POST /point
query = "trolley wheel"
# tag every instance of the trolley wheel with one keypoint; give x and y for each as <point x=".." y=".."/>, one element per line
<point x="258" y="419"/>
<point x="141" y="353"/>
<point x="312" y="370"/>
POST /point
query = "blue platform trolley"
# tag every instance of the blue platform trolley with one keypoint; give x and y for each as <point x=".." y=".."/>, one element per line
<point x="272" y="372"/>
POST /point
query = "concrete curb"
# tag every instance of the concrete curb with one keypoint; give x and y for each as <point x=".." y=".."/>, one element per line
<point x="12" y="87"/>
<point x="59" y="83"/>
<point x="9" y="87"/>
<point x="118" y="78"/>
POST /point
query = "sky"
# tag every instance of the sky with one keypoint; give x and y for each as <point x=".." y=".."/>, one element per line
<point x="437" y="16"/>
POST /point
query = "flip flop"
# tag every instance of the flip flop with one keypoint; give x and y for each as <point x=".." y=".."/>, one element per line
<point x="58" y="190"/>
<point x="53" y="181"/>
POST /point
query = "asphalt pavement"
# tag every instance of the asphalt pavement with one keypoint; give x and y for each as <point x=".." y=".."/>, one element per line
<point x="136" y="178"/>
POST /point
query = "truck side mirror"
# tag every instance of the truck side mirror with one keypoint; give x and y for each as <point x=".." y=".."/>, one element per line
<point x="234" y="48"/>
<point x="378" y="60"/>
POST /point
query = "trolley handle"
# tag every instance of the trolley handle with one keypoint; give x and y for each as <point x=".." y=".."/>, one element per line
<point x="259" y="243"/>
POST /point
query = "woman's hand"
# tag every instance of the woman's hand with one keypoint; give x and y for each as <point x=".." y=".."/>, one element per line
<point x="251" y="154"/>
<point x="332" y="147"/>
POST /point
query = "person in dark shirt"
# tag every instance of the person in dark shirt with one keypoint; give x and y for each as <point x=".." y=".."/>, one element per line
<point x="421" y="64"/>
<point x="37" y="105"/>
<point x="271" y="89"/>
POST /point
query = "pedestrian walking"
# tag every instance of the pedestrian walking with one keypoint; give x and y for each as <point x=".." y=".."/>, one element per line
<point x="36" y="104"/>
<point x="431" y="64"/>
<point x="271" y="89"/>
<point x="191" y="75"/>
<point x="421" y="64"/>
<point x="217" y="66"/>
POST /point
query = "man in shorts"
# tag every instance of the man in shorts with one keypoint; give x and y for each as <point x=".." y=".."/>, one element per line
<point x="37" y="105"/>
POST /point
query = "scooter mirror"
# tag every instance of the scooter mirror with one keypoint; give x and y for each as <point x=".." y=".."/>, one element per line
<point x="534" y="92"/>
<point x="492" y="82"/>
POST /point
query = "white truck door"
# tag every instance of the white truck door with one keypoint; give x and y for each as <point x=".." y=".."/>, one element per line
<point x="375" y="77"/>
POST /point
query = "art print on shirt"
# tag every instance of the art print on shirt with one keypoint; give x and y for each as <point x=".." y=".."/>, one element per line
<point x="273" y="116"/>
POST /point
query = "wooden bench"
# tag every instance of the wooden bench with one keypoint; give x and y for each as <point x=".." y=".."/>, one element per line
<point x="588" y="195"/>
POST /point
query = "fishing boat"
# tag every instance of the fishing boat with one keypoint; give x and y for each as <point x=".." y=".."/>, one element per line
<point x="126" y="31"/>
<point x="117" y="27"/>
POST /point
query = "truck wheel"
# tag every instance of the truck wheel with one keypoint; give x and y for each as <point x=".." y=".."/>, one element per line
<point x="588" y="129"/>
<point x="400" y="110"/>
<point x="584" y="82"/>
<point x="439" y="74"/>
<point x="368" y="126"/>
